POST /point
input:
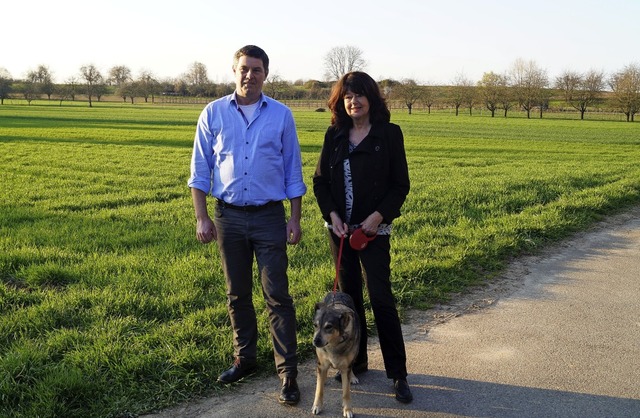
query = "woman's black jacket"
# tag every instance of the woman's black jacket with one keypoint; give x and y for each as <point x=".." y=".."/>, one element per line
<point x="378" y="168"/>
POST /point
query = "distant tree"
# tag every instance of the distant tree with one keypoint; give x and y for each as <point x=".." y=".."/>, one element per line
<point x="492" y="90"/>
<point x="119" y="76"/>
<point x="5" y="84"/>
<point x="625" y="87"/>
<point x="42" y="78"/>
<point x="197" y="79"/>
<point x="316" y="90"/>
<point x="224" y="89"/>
<point x="343" y="59"/>
<point x="461" y="92"/>
<point x="581" y="90"/>
<point x="127" y="90"/>
<point x="469" y="93"/>
<point x="528" y="82"/>
<point x="64" y="92"/>
<point x="428" y="97"/>
<point x="568" y="83"/>
<point x="71" y="85"/>
<point x="101" y="90"/>
<point x="29" y="90"/>
<point x="29" y="87"/>
<point x="148" y="85"/>
<point x="180" y="86"/>
<point x="276" y="87"/>
<point x="409" y="92"/>
<point x="388" y="87"/>
<point x="93" y="80"/>
<point x="507" y="98"/>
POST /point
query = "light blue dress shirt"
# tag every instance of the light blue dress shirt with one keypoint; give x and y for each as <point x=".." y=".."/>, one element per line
<point x="247" y="162"/>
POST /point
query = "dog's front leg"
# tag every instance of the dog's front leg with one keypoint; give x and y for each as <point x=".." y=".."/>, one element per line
<point x="347" y="412"/>
<point x="321" y="373"/>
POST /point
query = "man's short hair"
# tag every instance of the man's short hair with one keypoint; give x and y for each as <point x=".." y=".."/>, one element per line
<point x="253" y="52"/>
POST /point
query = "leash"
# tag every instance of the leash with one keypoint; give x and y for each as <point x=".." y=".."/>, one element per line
<point x="335" y="282"/>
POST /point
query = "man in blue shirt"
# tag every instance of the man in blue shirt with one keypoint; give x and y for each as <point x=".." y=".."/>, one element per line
<point x="247" y="156"/>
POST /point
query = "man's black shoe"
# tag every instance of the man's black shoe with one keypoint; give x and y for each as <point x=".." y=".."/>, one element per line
<point x="357" y="368"/>
<point x="403" y="393"/>
<point x="289" y="394"/>
<point x="238" y="370"/>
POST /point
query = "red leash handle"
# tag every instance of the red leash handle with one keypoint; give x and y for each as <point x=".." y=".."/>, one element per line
<point x="335" y="282"/>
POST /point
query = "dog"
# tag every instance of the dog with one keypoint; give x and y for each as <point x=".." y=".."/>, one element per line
<point x="337" y="340"/>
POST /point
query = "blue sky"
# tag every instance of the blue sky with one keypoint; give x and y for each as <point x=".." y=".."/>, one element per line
<point x="429" y="41"/>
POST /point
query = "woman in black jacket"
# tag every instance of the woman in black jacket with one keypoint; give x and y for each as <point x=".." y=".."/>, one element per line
<point x="361" y="181"/>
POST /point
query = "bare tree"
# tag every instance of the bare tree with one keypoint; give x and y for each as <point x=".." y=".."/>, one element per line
<point x="64" y="92"/>
<point x="625" y="86"/>
<point x="409" y="91"/>
<point x="72" y="87"/>
<point x="469" y="93"/>
<point x="30" y="90"/>
<point x="581" y="90"/>
<point x="343" y="59"/>
<point x="93" y="80"/>
<point x="507" y="98"/>
<point x="428" y="97"/>
<point x="462" y="92"/>
<point x="528" y="82"/>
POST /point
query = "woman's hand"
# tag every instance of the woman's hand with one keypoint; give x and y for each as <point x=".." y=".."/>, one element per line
<point x="370" y="225"/>
<point x="339" y="228"/>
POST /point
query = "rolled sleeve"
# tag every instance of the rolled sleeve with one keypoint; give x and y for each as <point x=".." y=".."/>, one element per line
<point x="294" y="183"/>
<point x="202" y="157"/>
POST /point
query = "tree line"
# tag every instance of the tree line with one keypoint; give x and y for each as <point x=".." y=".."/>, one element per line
<point x="524" y="86"/>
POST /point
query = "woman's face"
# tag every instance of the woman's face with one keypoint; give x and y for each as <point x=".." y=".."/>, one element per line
<point x="356" y="105"/>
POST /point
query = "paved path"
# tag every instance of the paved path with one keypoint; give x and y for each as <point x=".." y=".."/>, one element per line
<point x="558" y="335"/>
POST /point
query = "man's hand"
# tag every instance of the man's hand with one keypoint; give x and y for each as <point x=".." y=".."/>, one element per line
<point x="294" y="232"/>
<point x="206" y="231"/>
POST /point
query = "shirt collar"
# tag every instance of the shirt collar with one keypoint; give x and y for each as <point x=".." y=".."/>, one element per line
<point x="261" y="100"/>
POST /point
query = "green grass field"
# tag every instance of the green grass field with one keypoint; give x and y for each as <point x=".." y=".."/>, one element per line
<point x="109" y="307"/>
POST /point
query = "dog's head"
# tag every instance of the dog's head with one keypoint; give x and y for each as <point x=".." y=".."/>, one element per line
<point x="330" y="325"/>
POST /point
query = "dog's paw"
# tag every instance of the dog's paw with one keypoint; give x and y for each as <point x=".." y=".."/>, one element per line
<point x="347" y="413"/>
<point x="316" y="409"/>
<point x="354" y="380"/>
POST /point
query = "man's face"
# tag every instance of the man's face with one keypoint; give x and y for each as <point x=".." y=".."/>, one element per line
<point x="250" y="76"/>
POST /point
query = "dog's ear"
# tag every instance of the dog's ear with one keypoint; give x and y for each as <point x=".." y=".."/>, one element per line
<point x="344" y="321"/>
<point x="319" y="305"/>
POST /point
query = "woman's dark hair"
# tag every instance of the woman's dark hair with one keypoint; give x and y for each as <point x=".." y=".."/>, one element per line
<point x="253" y="52"/>
<point x="357" y="82"/>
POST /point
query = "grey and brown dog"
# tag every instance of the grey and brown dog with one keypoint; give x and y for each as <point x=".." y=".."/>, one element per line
<point x="337" y="339"/>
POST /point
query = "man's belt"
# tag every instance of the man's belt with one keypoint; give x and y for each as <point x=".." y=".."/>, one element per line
<point x="247" y="208"/>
